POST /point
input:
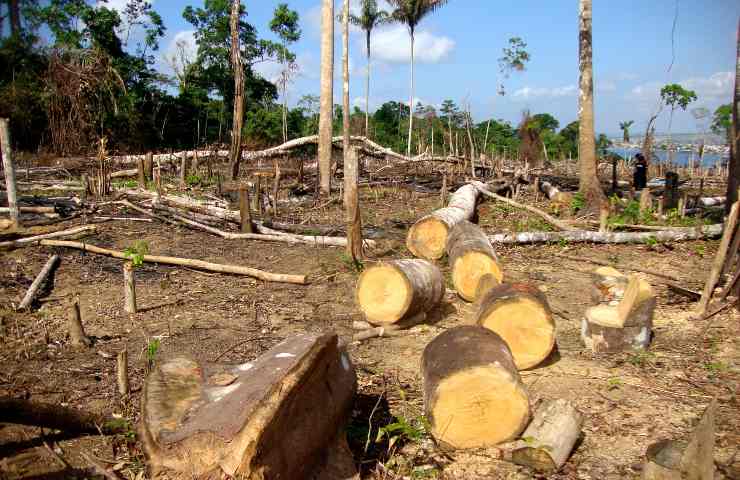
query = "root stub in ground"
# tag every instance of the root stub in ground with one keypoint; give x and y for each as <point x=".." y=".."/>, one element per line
<point x="390" y="292"/>
<point x="520" y="314"/>
<point x="473" y="395"/>
<point x="255" y="420"/>
<point x="471" y="256"/>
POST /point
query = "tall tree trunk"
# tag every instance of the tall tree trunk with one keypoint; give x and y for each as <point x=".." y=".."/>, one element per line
<point x="326" y="115"/>
<point x="733" y="174"/>
<point x="367" y="90"/>
<point x="589" y="181"/>
<point x="345" y="84"/>
<point x="14" y="11"/>
<point x="236" y="65"/>
<point x="411" y="100"/>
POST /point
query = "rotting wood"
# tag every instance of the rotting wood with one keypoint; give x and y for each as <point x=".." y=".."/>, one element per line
<point x="76" y="232"/>
<point x="471" y="256"/>
<point x="37" y="282"/>
<point x="674" y="235"/>
<point x="184" y="262"/>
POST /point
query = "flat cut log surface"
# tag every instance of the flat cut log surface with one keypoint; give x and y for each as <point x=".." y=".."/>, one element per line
<point x="427" y="238"/>
<point x="255" y="420"/>
<point x="390" y="292"/>
<point x="473" y="395"/>
<point x="471" y="256"/>
<point x="520" y="314"/>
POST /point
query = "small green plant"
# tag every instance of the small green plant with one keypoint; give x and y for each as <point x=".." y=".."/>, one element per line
<point x="351" y="263"/>
<point x="641" y="358"/>
<point x="136" y="252"/>
<point x="613" y="383"/>
<point x="651" y="241"/>
<point x="700" y="250"/>
<point x="716" y="367"/>
<point x="402" y="429"/>
<point x="151" y="350"/>
<point x="121" y="426"/>
<point x="125" y="184"/>
<point x="193" y="180"/>
<point x="578" y="202"/>
<point x="563" y="242"/>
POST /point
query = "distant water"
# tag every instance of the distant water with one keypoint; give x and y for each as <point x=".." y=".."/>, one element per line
<point x="680" y="158"/>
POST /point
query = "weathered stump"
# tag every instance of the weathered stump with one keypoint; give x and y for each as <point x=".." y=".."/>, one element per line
<point x="391" y="292"/>
<point x="271" y="418"/>
<point x="471" y="256"/>
<point x="473" y="395"/>
<point x="520" y="314"/>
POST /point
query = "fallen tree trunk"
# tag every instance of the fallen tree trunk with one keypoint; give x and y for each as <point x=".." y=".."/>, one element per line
<point x="185" y="262"/>
<point x="427" y="238"/>
<point x="57" y="417"/>
<point x="29" y="209"/>
<point x="390" y="292"/>
<point x="274" y="417"/>
<point x="471" y="256"/>
<point x="674" y="235"/>
<point x="473" y="395"/>
<point x="37" y="282"/>
<point x="563" y="199"/>
<point x="520" y="314"/>
<point x="711" y="201"/>
<point x="72" y="232"/>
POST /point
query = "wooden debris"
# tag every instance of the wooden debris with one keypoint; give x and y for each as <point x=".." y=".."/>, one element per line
<point x="672" y="235"/>
<point x="471" y="256"/>
<point x="9" y="169"/>
<point x="37" y="282"/>
<point x="77" y="335"/>
<point x="473" y="395"/>
<point x="266" y="423"/>
<point x="389" y="292"/>
<point x="562" y="199"/>
<point x="57" y="417"/>
<point x="627" y="325"/>
<point x="122" y="372"/>
<point x="76" y="232"/>
<point x="519" y="313"/>
<point x="185" y="262"/>
<point x="129" y="288"/>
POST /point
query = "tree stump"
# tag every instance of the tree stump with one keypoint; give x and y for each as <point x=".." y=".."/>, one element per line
<point x="427" y="238"/>
<point x="625" y="326"/>
<point x="129" y="288"/>
<point x="550" y="437"/>
<point x="271" y="418"/>
<point x="608" y="286"/>
<point x="471" y="256"/>
<point x="520" y="314"/>
<point x="74" y="324"/>
<point x="390" y="292"/>
<point x="473" y="395"/>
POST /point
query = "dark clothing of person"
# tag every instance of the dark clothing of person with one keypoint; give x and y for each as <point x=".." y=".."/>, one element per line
<point x="639" y="179"/>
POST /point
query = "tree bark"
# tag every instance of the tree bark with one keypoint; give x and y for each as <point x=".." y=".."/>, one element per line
<point x="590" y="186"/>
<point x="352" y="206"/>
<point x="473" y="395"/>
<point x="141" y="178"/>
<point x="129" y="288"/>
<point x="577" y="236"/>
<point x="14" y="11"/>
<point x="326" y="114"/>
<point x="10" y="186"/>
<point x="733" y="174"/>
<point x="236" y="66"/>
<point x="74" y="325"/>
<point x="411" y="99"/>
<point x="244" y="212"/>
<point x="719" y="259"/>
<point x="367" y="89"/>
<point x="37" y="282"/>
<point x="57" y="417"/>
<point x="122" y="372"/>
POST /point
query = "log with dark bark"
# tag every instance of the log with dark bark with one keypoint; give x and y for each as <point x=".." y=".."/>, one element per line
<point x="471" y="256"/>
<point x="519" y="313"/>
<point x="271" y="418"/>
<point x="33" y="290"/>
<point x="626" y="326"/>
<point x="473" y="395"/>
<point x="71" y="420"/>
<point x="390" y="292"/>
<point x="427" y="238"/>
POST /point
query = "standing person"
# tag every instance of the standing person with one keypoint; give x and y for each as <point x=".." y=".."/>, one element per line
<point x="639" y="178"/>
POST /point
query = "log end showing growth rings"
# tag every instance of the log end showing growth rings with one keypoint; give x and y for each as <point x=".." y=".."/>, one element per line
<point x="520" y="314"/>
<point x="427" y="238"/>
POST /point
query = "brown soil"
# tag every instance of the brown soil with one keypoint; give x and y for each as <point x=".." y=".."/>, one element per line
<point x="629" y="400"/>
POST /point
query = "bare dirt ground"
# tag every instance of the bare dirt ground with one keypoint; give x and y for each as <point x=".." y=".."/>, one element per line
<point x="629" y="400"/>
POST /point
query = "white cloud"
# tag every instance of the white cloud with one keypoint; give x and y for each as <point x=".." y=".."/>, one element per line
<point x="394" y="45"/>
<point x="180" y="51"/>
<point x="716" y="87"/>
<point x="605" y="86"/>
<point x="528" y="93"/>
<point x="627" y="76"/>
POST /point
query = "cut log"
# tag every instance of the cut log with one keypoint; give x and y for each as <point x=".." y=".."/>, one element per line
<point x="628" y="325"/>
<point x="122" y="372"/>
<point x="672" y="235"/>
<point x="520" y="314"/>
<point x="390" y="292"/>
<point x="33" y="290"/>
<point x="609" y="285"/>
<point x="427" y="238"/>
<point x="550" y="437"/>
<point x="271" y="418"/>
<point x="562" y="199"/>
<point x="473" y="395"/>
<point x="186" y="262"/>
<point x="471" y="256"/>
<point x="71" y="233"/>
<point x="57" y="417"/>
<point x="129" y="288"/>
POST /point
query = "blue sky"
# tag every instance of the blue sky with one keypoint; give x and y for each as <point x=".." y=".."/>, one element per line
<point x="458" y="47"/>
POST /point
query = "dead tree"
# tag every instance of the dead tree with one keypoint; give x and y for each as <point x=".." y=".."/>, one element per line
<point x="238" y="69"/>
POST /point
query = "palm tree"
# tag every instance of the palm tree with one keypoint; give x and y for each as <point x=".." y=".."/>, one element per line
<point x="327" y="95"/>
<point x="369" y="18"/>
<point x="411" y="12"/>
<point x="590" y="187"/>
<point x="625" y="127"/>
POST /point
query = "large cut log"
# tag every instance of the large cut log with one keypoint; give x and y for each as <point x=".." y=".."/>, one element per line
<point x="471" y="256"/>
<point x="550" y="437"/>
<point x="520" y="314"/>
<point x="672" y="235"/>
<point x="563" y="199"/>
<point x="627" y="325"/>
<point x="272" y="418"/>
<point x="391" y="292"/>
<point x="473" y="395"/>
<point x="427" y="238"/>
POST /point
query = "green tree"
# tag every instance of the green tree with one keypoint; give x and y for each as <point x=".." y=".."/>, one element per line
<point x="544" y="121"/>
<point x="285" y="25"/>
<point x="514" y="59"/>
<point x="722" y="122"/>
<point x="450" y="113"/>
<point x="675" y="96"/>
<point x="625" y="128"/>
<point x="369" y="18"/>
<point x="410" y="13"/>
